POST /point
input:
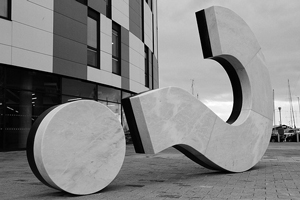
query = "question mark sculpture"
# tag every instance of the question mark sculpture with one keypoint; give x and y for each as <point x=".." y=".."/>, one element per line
<point x="79" y="147"/>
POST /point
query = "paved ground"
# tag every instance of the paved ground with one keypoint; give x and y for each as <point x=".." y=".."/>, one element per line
<point x="169" y="175"/>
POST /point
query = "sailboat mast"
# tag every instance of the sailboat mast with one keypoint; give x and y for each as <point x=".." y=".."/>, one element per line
<point x="291" y="106"/>
<point x="274" y="123"/>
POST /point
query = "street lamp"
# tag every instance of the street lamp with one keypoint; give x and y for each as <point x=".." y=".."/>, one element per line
<point x="279" y="108"/>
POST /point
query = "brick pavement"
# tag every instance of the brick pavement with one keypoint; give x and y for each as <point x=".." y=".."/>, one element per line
<point x="169" y="176"/>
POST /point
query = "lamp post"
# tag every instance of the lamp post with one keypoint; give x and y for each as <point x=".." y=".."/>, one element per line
<point x="279" y="108"/>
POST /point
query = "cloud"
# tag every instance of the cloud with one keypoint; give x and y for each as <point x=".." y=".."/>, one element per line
<point x="275" y="23"/>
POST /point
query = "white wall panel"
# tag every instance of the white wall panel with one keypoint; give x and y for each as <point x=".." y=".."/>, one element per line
<point x="136" y="44"/>
<point x="148" y="26"/>
<point x="120" y="17"/>
<point x="26" y="37"/>
<point x="122" y="6"/>
<point x="134" y="73"/>
<point x="137" y="87"/>
<point x="126" y="1"/>
<point x="116" y="81"/>
<point x="148" y="42"/>
<point x="134" y="57"/>
<point x="33" y="14"/>
<point x="99" y="76"/>
<point x="93" y="74"/>
<point x="32" y="60"/>
<point x="142" y="77"/>
<point x="142" y="62"/>
<point x="105" y="61"/>
<point x="155" y="37"/>
<point x="105" y="77"/>
<point x="105" y="43"/>
<point x="5" y="32"/>
<point x="134" y="86"/>
<point x="45" y="3"/>
<point x="5" y="54"/>
<point x="105" y="25"/>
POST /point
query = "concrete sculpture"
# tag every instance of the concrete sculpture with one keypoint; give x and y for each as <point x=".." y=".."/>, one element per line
<point x="77" y="147"/>
<point x="172" y="117"/>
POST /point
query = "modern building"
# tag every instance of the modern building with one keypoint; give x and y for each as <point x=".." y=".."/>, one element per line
<point x="57" y="51"/>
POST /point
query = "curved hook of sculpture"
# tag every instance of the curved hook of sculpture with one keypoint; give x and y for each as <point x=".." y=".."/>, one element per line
<point x="79" y="147"/>
<point x="172" y="117"/>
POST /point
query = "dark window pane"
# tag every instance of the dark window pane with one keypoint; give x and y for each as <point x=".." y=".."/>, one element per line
<point x="4" y="8"/>
<point x="115" y="43"/>
<point x="116" y="66"/>
<point x="78" y="88"/>
<point x="146" y="66"/>
<point x="1" y="76"/>
<point x="92" y="59"/>
<point x="1" y="116"/>
<point x="109" y="94"/>
<point x="92" y="33"/>
<point x="21" y="110"/>
<point x="43" y="101"/>
<point x="32" y="80"/>
<point x="93" y="38"/>
<point x="82" y="1"/>
<point x="116" y="49"/>
<point x="18" y="118"/>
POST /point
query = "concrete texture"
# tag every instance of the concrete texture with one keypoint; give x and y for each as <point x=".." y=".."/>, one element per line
<point x="171" y="116"/>
<point x="78" y="147"/>
<point x="169" y="175"/>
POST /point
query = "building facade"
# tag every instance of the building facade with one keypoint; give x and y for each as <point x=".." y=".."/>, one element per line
<point x="57" y="51"/>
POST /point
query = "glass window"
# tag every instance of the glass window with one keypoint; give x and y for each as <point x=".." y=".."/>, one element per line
<point x="109" y="94"/>
<point x="1" y="116"/>
<point x="116" y="61"/>
<point x="18" y="118"/>
<point x="146" y="66"/>
<point x="32" y="80"/>
<point x="78" y="89"/>
<point x="92" y="32"/>
<point x="1" y="76"/>
<point x="108" y="8"/>
<point x="93" y="38"/>
<point x="4" y="8"/>
<point x="82" y="1"/>
<point x="114" y="107"/>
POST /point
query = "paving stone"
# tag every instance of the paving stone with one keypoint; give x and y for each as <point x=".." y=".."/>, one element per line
<point x="169" y="176"/>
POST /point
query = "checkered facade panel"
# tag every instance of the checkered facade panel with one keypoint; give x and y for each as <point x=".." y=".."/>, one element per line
<point x="51" y="36"/>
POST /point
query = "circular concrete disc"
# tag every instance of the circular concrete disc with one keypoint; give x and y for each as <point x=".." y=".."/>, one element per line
<point x="78" y="147"/>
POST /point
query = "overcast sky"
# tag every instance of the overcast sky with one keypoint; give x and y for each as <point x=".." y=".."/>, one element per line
<point x="276" y="25"/>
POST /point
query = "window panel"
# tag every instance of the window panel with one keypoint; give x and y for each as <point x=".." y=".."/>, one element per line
<point x="109" y="94"/>
<point x="115" y="45"/>
<point x="116" y="69"/>
<point x="146" y="66"/>
<point x="78" y="88"/>
<point x="93" y="29"/>
<point x="92" y="58"/>
<point x="92" y="32"/>
<point x="4" y="8"/>
<point x="32" y="80"/>
<point x="82" y="1"/>
<point x="115" y="66"/>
